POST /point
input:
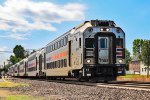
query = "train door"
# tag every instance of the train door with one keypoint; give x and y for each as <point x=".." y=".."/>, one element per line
<point x="40" y="65"/>
<point x="105" y="50"/>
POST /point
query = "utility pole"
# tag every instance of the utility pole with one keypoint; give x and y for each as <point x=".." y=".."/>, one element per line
<point x="4" y="69"/>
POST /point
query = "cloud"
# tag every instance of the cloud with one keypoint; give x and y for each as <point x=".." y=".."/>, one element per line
<point x="3" y="48"/>
<point x="16" y="36"/>
<point x="19" y="16"/>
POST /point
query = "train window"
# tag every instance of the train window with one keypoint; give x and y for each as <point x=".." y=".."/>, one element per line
<point x="65" y="41"/>
<point x="79" y="42"/>
<point x="47" y="66"/>
<point x="50" y="49"/>
<point x="65" y="62"/>
<point x="32" y="69"/>
<point x="103" y="43"/>
<point x="53" y="47"/>
<point x="62" y="44"/>
<point x="55" y="64"/>
<point x="59" y="63"/>
<point x="57" y="45"/>
<point x="119" y="43"/>
<point x="62" y="63"/>
<point x="50" y="65"/>
<point x="47" y="49"/>
<point x="89" y="42"/>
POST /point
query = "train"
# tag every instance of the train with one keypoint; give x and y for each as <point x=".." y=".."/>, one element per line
<point x="94" y="50"/>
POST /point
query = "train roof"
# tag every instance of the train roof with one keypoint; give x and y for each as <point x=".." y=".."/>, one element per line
<point x="93" y="23"/>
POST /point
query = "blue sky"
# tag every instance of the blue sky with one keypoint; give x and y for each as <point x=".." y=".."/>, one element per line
<point x="34" y="23"/>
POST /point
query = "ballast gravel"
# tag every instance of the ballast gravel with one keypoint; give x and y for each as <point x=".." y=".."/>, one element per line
<point x="62" y="91"/>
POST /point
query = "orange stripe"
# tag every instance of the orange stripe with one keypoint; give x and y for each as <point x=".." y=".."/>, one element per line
<point x="60" y="55"/>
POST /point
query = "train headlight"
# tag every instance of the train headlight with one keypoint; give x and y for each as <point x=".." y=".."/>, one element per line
<point x="107" y="29"/>
<point x="101" y="29"/>
<point x="88" y="61"/>
<point x="120" y="60"/>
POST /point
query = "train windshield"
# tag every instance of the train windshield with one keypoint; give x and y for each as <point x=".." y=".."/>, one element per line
<point x="119" y="43"/>
<point x="89" y="42"/>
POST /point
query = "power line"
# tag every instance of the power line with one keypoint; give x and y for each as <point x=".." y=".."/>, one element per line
<point x="6" y="51"/>
<point x="12" y="52"/>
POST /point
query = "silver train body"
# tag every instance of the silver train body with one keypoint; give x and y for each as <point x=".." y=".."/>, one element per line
<point x="93" y="50"/>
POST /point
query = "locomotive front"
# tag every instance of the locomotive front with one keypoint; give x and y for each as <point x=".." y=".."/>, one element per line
<point x="104" y="51"/>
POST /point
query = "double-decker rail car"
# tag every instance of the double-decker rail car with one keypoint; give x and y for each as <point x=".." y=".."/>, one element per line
<point x="35" y="64"/>
<point x="32" y="64"/>
<point x="94" y="50"/>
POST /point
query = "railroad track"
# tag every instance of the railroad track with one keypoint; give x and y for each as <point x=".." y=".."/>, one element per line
<point x="114" y="84"/>
<point x="127" y="85"/>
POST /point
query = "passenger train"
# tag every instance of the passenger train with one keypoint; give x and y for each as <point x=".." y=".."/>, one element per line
<point x="94" y="50"/>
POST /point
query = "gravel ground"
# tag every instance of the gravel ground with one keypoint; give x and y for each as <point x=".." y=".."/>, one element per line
<point x="61" y="91"/>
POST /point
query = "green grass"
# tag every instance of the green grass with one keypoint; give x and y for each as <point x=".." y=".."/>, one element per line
<point x="19" y="97"/>
<point x="140" y="78"/>
<point x="8" y="84"/>
<point x="133" y="76"/>
<point x="26" y="97"/>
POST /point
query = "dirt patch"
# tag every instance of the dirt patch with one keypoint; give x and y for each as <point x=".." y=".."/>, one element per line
<point x="138" y="78"/>
<point x="5" y="92"/>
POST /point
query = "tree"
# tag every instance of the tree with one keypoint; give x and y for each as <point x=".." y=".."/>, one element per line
<point x="14" y="59"/>
<point x="146" y="54"/>
<point x="137" y="48"/>
<point x="128" y="58"/>
<point x="19" y="51"/>
<point x="19" y="54"/>
<point x="26" y="53"/>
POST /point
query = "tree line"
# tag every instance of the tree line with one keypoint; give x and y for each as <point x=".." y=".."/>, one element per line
<point x="141" y="49"/>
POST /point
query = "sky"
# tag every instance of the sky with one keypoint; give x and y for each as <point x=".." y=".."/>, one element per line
<point x="34" y="23"/>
